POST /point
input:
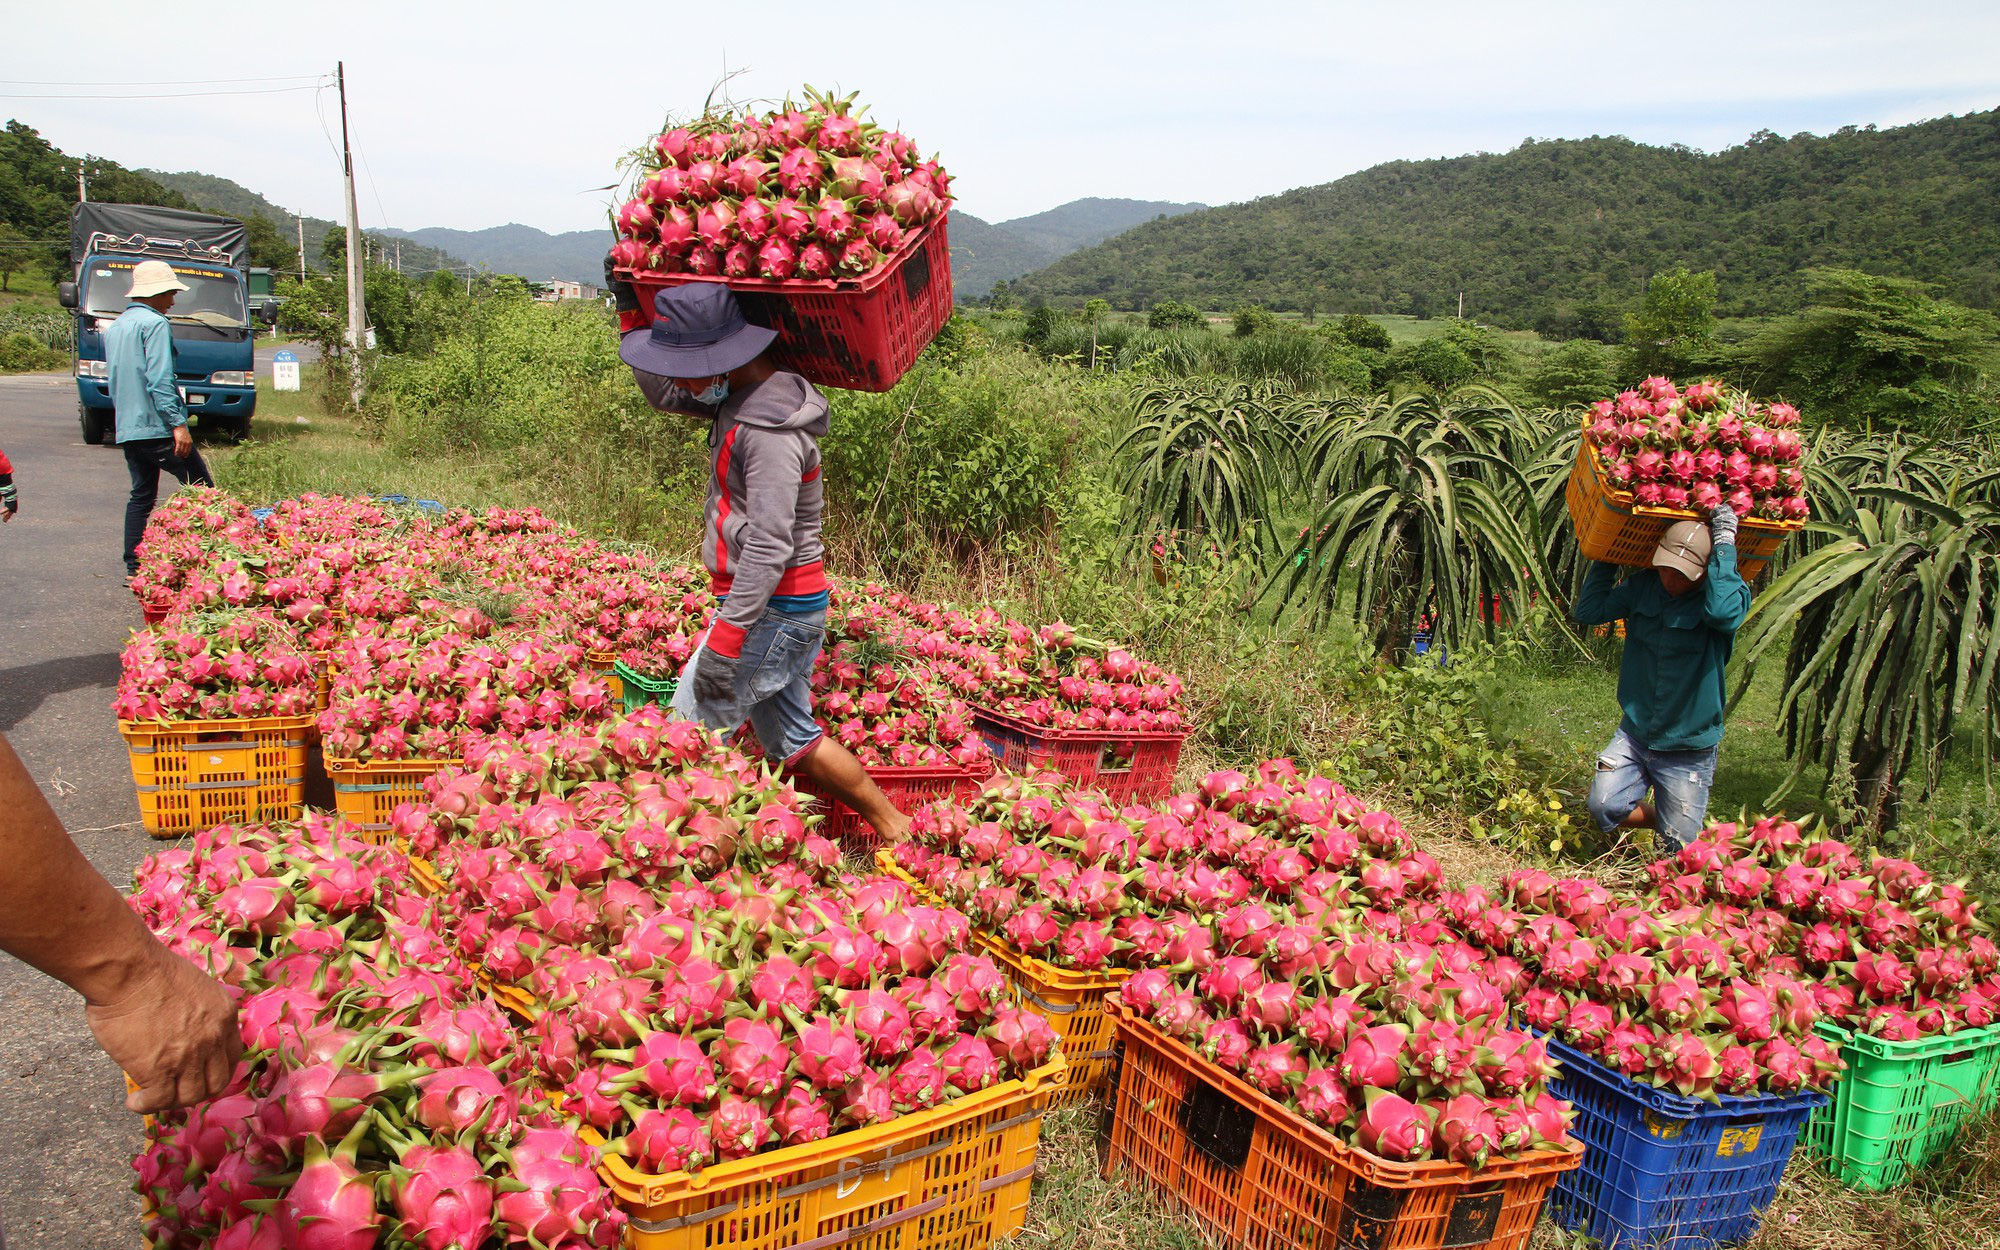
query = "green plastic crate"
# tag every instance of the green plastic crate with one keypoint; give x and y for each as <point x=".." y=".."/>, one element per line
<point x="1900" y="1104"/>
<point x="640" y="689"/>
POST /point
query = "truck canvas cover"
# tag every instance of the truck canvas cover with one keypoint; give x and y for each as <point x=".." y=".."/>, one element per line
<point x="147" y="230"/>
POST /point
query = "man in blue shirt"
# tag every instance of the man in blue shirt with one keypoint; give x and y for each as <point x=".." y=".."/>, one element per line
<point x="1680" y="618"/>
<point x="152" y="419"/>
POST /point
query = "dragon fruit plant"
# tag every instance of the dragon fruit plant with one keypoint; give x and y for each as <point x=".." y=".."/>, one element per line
<point x="1707" y="444"/>
<point x="799" y="193"/>
<point x="1888" y="949"/>
<point x="381" y="1099"/>
<point x="426" y="687"/>
<point x="1065" y="877"/>
<point x="1699" y="1000"/>
<point x="215" y="665"/>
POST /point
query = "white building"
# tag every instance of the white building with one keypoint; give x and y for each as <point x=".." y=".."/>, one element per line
<point x="549" y="290"/>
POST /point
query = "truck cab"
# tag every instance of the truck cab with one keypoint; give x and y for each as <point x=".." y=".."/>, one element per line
<point x="213" y="335"/>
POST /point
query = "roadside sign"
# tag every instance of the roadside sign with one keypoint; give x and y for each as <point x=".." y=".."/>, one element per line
<point x="285" y="370"/>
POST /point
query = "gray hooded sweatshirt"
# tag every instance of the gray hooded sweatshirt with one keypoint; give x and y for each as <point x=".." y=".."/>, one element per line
<point x="762" y="541"/>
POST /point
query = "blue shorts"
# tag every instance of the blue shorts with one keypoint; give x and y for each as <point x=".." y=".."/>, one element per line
<point x="773" y="686"/>
<point x="1679" y="781"/>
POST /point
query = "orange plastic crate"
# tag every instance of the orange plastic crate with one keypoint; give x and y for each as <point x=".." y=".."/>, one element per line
<point x="861" y="333"/>
<point x="366" y="795"/>
<point x="955" y="1177"/>
<point x="196" y="773"/>
<point x="1614" y="527"/>
<point x="1254" y="1174"/>
<point x="1073" y="1002"/>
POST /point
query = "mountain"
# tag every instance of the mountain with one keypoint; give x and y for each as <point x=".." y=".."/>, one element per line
<point x="220" y="195"/>
<point x="575" y="254"/>
<point x="1530" y="234"/>
<point x="983" y="253"/>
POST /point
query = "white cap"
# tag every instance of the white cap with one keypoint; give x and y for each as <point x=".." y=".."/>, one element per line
<point x="151" y="277"/>
<point x="1685" y="547"/>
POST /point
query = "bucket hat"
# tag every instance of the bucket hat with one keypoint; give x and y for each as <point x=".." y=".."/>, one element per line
<point x="151" y="277"/>
<point x="1685" y="547"/>
<point x="698" y="332"/>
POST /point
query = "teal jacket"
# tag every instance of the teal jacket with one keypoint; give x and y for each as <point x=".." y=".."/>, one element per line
<point x="139" y="359"/>
<point x="1672" y="682"/>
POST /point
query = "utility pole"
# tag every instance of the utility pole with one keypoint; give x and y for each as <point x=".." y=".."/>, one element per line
<point x="399" y="256"/>
<point x="1461" y="303"/>
<point x="355" y="337"/>
<point x="302" y="247"/>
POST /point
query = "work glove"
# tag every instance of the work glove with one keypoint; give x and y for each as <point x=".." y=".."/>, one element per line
<point x="623" y="297"/>
<point x="715" y="680"/>
<point x="1721" y="525"/>
<point x="10" y="498"/>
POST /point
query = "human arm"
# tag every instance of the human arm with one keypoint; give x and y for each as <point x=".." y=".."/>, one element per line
<point x="1603" y="598"/>
<point x="171" y="1026"/>
<point x="10" y="499"/>
<point x="1726" y="597"/>
<point x="665" y="395"/>
<point x="624" y="300"/>
<point x="773" y="463"/>
<point x="157" y="343"/>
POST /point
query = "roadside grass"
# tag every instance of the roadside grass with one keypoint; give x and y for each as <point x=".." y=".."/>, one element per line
<point x="1255" y="688"/>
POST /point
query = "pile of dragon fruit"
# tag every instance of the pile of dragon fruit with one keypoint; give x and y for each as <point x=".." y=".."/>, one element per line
<point x="431" y="687"/>
<point x="800" y="192"/>
<point x="1702" y="445"/>
<point x="382" y="1099"/>
<point x="216" y="665"/>
<point x="886" y="703"/>
<point x="708" y="986"/>
<point x="1279" y="928"/>
<point x="1048" y="677"/>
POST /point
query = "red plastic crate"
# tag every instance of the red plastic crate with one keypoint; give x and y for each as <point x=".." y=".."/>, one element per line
<point x="861" y="334"/>
<point x="1129" y="766"/>
<point x="907" y="789"/>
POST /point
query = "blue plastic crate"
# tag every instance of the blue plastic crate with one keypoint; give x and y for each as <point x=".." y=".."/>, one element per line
<point x="1663" y="1172"/>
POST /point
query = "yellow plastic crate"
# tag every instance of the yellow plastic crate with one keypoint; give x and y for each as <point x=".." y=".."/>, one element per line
<point x="1074" y="1003"/>
<point x="196" y="773"/>
<point x="606" y="664"/>
<point x="366" y="795"/>
<point x="955" y="1177"/>
<point x="1612" y="526"/>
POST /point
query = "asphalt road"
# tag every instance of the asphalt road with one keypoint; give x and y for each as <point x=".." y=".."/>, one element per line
<point x="66" y="1140"/>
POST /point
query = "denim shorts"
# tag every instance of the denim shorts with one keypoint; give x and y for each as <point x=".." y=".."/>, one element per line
<point x="1679" y="780"/>
<point x="773" y="685"/>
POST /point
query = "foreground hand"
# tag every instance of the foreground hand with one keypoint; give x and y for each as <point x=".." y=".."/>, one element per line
<point x="715" y="680"/>
<point x="10" y="502"/>
<point x="183" y="443"/>
<point x="1722" y="524"/>
<point x="174" y="1033"/>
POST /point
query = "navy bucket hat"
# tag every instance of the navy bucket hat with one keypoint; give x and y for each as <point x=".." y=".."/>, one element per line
<point x="698" y="332"/>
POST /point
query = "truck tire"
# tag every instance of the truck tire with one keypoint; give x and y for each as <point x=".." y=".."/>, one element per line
<point x="95" y="428"/>
<point x="240" y="430"/>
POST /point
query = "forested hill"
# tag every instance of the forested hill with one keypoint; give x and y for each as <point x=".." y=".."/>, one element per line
<point x="1534" y="232"/>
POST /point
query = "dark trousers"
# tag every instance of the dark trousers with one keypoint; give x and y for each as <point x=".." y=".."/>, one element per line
<point x="144" y="459"/>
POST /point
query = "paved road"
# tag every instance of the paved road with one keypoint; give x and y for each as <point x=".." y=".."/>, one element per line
<point x="66" y="1141"/>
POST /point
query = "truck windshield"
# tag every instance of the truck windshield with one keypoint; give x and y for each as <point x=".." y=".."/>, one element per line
<point x="214" y="296"/>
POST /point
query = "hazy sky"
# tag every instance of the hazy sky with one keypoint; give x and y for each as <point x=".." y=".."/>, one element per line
<point x="471" y="116"/>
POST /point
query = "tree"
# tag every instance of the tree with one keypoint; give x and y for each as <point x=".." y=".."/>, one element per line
<point x="1171" y="314"/>
<point x="1254" y="319"/>
<point x="1095" y="310"/>
<point x="1673" y="333"/>
<point x="1870" y="350"/>
<point x="333" y="249"/>
<point x="270" y="247"/>
<point x="16" y="253"/>
<point x="1438" y="363"/>
<point x="1362" y="332"/>
<point x="1577" y="373"/>
<point x="1000" y="298"/>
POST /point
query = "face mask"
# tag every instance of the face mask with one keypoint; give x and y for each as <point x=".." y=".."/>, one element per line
<point x="715" y="394"/>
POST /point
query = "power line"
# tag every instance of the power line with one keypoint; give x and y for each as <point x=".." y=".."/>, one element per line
<point x="267" y="91"/>
<point x="165" y="82"/>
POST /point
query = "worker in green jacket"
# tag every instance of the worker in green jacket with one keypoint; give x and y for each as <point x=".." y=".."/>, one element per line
<point x="1681" y="617"/>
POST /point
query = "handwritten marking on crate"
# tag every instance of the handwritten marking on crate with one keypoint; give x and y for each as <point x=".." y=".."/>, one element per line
<point x="1665" y="1130"/>
<point x="1739" y="1141"/>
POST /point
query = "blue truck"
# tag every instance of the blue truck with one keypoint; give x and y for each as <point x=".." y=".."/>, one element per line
<point x="214" y="338"/>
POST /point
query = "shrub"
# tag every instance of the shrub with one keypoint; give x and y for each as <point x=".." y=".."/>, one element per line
<point x="1361" y="332"/>
<point x="1578" y="372"/>
<point x="20" y="353"/>
<point x="1172" y="314"/>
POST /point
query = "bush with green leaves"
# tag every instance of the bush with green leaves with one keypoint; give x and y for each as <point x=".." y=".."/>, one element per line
<point x="1572" y="375"/>
<point x="22" y="353"/>
<point x="1172" y="314"/>
<point x="1436" y="364"/>
<point x="1254" y="319"/>
<point x="1359" y="331"/>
